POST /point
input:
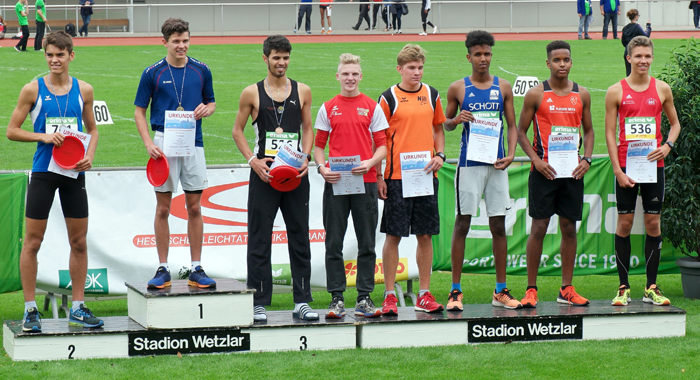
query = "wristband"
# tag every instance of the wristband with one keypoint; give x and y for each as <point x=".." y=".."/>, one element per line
<point x="251" y="159"/>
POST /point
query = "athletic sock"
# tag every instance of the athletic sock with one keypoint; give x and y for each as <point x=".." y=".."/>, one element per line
<point x="164" y="265"/>
<point x="329" y="28"/>
<point x="457" y="286"/>
<point x="623" y="250"/>
<point x="75" y="305"/>
<point x="652" y="253"/>
<point x="386" y="293"/>
<point x="531" y="287"/>
<point x="29" y="305"/>
<point x="500" y="286"/>
<point x="195" y="264"/>
<point x="422" y="292"/>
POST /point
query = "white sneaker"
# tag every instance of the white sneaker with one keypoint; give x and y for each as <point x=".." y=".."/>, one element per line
<point x="422" y="34"/>
<point x="399" y="31"/>
<point x="434" y="29"/>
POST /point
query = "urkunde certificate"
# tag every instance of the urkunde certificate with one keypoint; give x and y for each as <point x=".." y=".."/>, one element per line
<point x="563" y="154"/>
<point x="639" y="168"/>
<point x="483" y="140"/>
<point x="349" y="183"/>
<point x="415" y="181"/>
<point x="290" y="157"/>
<point x="178" y="139"/>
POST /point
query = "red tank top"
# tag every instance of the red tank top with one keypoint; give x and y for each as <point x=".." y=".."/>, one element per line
<point x="639" y="117"/>
<point x="556" y="115"/>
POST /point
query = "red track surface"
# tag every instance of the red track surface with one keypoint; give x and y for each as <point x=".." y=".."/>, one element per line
<point x="378" y="37"/>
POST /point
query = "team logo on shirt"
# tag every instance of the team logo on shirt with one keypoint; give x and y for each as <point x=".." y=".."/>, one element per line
<point x="422" y="99"/>
<point x="651" y="101"/>
<point x="573" y="100"/>
<point x="403" y="99"/>
<point x="334" y="111"/>
<point x="471" y="95"/>
<point x="167" y="81"/>
<point x="494" y="95"/>
<point x="48" y="97"/>
<point x="549" y="100"/>
<point x="362" y="111"/>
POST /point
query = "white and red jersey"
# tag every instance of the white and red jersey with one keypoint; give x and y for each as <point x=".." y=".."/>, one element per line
<point x="639" y="117"/>
<point x="349" y="125"/>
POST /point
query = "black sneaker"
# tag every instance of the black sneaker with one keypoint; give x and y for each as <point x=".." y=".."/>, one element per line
<point x="32" y="321"/>
<point x="355" y="27"/>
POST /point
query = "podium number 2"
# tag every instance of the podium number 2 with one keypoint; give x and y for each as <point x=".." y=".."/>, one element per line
<point x="201" y="311"/>
<point x="71" y="350"/>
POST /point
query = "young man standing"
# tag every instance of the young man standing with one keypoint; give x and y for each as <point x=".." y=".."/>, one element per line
<point x="281" y="112"/>
<point x="56" y="96"/>
<point x="556" y="107"/>
<point x="414" y="112"/>
<point x="352" y="124"/>
<point x="639" y="96"/>
<point x="40" y="24"/>
<point x="21" y="11"/>
<point x="180" y="83"/>
<point x="484" y="96"/>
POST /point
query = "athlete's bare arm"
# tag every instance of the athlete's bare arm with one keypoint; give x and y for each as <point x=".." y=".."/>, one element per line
<point x="455" y="97"/>
<point x="19" y="115"/>
<point x="588" y="134"/>
<point x="666" y="97"/>
<point x="512" y="136"/>
<point x="307" y="129"/>
<point x="532" y="101"/>
<point x="613" y="97"/>
<point x="90" y="126"/>
<point x="439" y="143"/>
<point x="142" y="126"/>
<point x="248" y="106"/>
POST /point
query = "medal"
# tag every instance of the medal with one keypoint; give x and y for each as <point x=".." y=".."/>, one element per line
<point x="279" y="130"/>
<point x="179" y="109"/>
<point x="279" y="109"/>
<point x="181" y="95"/>
<point x="65" y="111"/>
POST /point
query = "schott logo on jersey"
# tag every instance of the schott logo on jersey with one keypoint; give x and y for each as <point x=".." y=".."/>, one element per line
<point x="488" y="106"/>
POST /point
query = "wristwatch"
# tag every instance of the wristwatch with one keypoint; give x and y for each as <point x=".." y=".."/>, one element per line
<point x="441" y="155"/>
<point x="318" y="169"/>
<point x="671" y="144"/>
<point x="308" y="157"/>
<point x="587" y="159"/>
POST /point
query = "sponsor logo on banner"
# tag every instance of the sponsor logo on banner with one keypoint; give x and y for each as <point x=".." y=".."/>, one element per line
<point x="351" y="271"/>
<point x="507" y="330"/>
<point x="222" y="238"/>
<point x="195" y="342"/>
<point x="95" y="281"/>
<point x="281" y="274"/>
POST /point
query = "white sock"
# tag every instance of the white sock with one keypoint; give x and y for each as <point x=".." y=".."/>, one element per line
<point x="29" y="305"/>
<point x="164" y="265"/>
<point x="75" y="305"/>
<point x="329" y="28"/>
<point x="195" y="264"/>
<point x="422" y="292"/>
<point x="386" y="293"/>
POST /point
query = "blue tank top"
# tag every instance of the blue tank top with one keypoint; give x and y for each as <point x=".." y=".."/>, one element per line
<point x="484" y="104"/>
<point x="45" y="107"/>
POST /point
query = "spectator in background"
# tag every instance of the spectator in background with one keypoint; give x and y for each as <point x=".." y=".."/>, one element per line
<point x="609" y="9"/>
<point x="378" y="8"/>
<point x="425" y="8"/>
<point x="631" y="30"/>
<point x="396" y="10"/>
<point x="386" y="11"/>
<point x="40" y="24"/>
<point x="695" y="6"/>
<point x="364" y="14"/>
<point x="304" y="9"/>
<point x="3" y="27"/>
<point x="585" y="17"/>
<point x="86" y="14"/>
<point x="21" y="10"/>
<point x="325" y="9"/>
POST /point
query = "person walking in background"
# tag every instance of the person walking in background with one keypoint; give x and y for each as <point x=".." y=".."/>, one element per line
<point x="585" y="17"/>
<point x="631" y="30"/>
<point x="21" y="10"/>
<point x="325" y="9"/>
<point x="364" y="14"/>
<point x="304" y="9"/>
<point x="378" y="7"/>
<point x="609" y="9"/>
<point x="86" y="14"/>
<point x="425" y="8"/>
<point x="40" y="24"/>
<point x="695" y="6"/>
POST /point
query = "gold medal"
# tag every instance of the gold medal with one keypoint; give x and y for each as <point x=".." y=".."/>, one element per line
<point x="179" y="109"/>
<point x="279" y="130"/>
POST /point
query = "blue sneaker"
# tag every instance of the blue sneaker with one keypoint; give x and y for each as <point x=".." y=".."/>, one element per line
<point x="84" y="317"/>
<point x="32" y="321"/>
<point x="160" y="280"/>
<point x="200" y="279"/>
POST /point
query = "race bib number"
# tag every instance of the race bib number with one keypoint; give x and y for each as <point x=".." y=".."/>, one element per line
<point x="523" y="84"/>
<point x="54" y="123"/>
<point x="640" y="128"/>
<point x="274" y="142"/>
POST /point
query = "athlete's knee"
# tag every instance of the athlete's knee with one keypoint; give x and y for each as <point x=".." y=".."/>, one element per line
<point x="462" y="224"/>
<point x="194" y="209"/>
<point x="568" y="229"/>
<point x="162" y="211"/>
<point x="32" y="244"/>
<point x="78" y="243"/>
<point x="653" y="226"/>
<point x="539" y="228"/>
<point x="624" y="225"/>
<point x="497" y="227"/>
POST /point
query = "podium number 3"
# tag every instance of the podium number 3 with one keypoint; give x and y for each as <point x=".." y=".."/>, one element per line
<point x="71" y="350"/>
<point x="303" y="346"/>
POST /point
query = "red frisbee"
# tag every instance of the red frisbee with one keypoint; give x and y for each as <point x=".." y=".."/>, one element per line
<point x="69" y="153"/>
<point x="284" y="178"/>
<point x="158" y="171"/>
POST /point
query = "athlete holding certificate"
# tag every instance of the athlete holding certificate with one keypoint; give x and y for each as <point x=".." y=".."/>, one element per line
<point x="634" y="106"/>
<point x="559" y="109"/>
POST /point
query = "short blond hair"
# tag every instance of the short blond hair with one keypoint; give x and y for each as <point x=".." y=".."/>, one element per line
<point x="410" y="53"/>
<point x="640" y="41"/>
<point x="349" y="59"/>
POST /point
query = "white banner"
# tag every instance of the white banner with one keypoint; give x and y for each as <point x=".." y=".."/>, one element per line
<point x="121" y="242"/>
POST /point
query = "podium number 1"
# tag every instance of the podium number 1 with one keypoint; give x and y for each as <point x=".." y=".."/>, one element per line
<point x="201" y="311"/>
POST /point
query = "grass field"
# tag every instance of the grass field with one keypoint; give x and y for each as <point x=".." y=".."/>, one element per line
<point x="114" y="72"/>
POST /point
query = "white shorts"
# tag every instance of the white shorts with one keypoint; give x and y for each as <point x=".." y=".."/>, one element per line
<point x="190" y="171"/>
<point x="474" y="181"/>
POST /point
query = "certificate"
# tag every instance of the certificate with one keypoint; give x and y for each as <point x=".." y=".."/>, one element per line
<point x="563" y="154"/>
<point x="415" y="181"/>
<point x="639" y="168"/>
<point x="180" y="128"/>
<point x="66" y="130"/>
<point x="290" y="157"/>
<point x="349" y="183"/>
<point x="484" y="136"/>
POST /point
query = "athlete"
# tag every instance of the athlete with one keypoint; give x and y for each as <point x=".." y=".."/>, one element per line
<point x="177" y="83"/>
<point x="352" y="124"/>
<point x="487" y="97"/>
<point x="281" y="111"/>
<point x="414" y="112"/>
<point x="556" y="107"/>
<point x="54" y="100"/>
<point x="637" y="102"/>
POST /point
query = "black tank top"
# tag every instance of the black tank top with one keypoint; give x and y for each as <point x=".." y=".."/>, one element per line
<point x="266" y="122"/>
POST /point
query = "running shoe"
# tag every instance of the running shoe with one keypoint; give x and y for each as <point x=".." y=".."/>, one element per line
<point x="454" y="301"/>
<point x="530" y="299"/>
<point x="622" y="298"/>
<point x="305" y="313"/>
<point x="84" y="317"/>
<point x="160" y="280"/>
<point x="655" y="296"/>
<point x="428" y="304"/>
<point x="32" y="320"/>
<point x="504" y="299"/>
<point x="200" y="279"/>
<point x="365" y="307"/>
<point x="570" y="297"/>
<point x="422" y="34"/>
<point x="330" y="32"/>
<point x="259" y="313"/>
<point x="336" y="309"/>
<point x="323" y="31"/>
<point x="389" y="306"/>
<point x="435" y="29"/>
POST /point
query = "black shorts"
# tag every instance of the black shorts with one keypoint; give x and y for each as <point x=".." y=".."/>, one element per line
<point x="415" y="215"/>
<point x="652" y="195"/>
<point x="562" y="196"/>
<point x="323" y="6"/>
<point x="42" y="190"/>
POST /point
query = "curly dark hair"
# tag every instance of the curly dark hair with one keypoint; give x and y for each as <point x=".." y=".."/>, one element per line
<point x="278" y="42"/>
<point x="556" y="45"/>
<point x="479" y="37"/>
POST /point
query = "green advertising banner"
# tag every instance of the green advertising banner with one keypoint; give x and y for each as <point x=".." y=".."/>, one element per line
<point x="12" y="189"/>
<point x="596" y="232"/>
